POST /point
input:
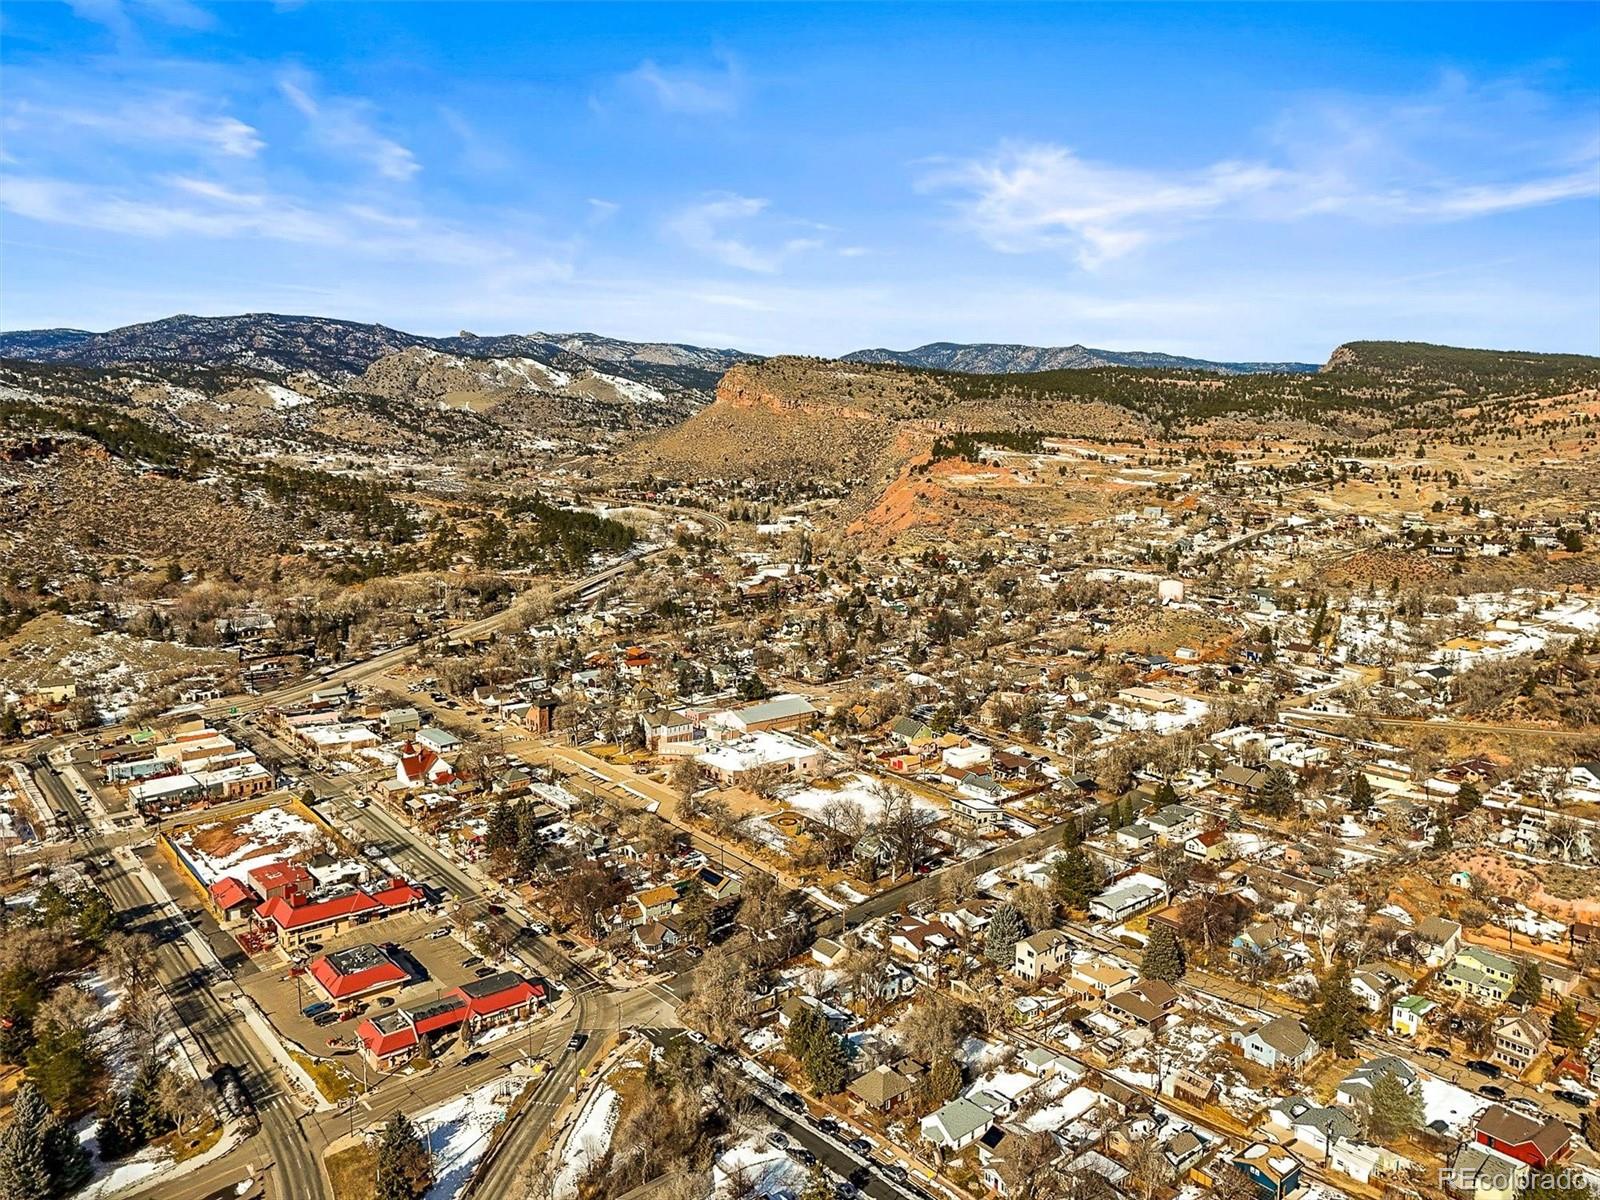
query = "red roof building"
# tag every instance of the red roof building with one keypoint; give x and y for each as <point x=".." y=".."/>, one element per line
<point x="294" y="920"/>
<point x="356" y="971"/>
<point x="231" y="898"/>
<point x="390" y="1039"/>
<point x="279" y="879"/>
<point x="1527" y="1139"/>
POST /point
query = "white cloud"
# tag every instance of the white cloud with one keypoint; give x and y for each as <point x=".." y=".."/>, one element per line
<point x="176" y="120"/>
<point x="345" y="126"/>
<point x="708" y="226"/>
<point x="1456" y="153"/>
<point x="688" y="90"/>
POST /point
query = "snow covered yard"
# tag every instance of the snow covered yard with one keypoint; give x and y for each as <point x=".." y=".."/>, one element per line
<point x="588" y="1142"/>
<point x="753" y="1168"/>
<point x="458" y="1133"/>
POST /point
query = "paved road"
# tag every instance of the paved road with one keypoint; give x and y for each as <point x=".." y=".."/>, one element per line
<point x="294" y="1173"/>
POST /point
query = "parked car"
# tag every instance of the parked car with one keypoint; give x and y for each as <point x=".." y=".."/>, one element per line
<point x="538" y="928"/>
<point x="442" y="931"/>
<point x="1576" y="1099"/>
<point x="860" y="1145"/>
<point x="694" y="1035"/>
<point x="775" y="1138"/>
<point x="1437" y="1051"/>
<point x="801" y="1155"/>
<point x="485" y="972"/>
<point x="326" y="1018"/>
<point x="1492" y="1091"/>
<point x="791" y="1101"/>
<point x="475" y="961"/>
<point x="1484" y="1067"/>
<point x="827" y="1124"/>
<point x="317" y="1009"/>
<point x="693" y="951"/>
<point x="385" y="1001"/>
<point x="896" y="1171"/>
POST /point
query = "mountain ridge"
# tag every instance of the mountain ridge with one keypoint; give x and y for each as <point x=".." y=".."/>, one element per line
<point x="1012" y="358"/>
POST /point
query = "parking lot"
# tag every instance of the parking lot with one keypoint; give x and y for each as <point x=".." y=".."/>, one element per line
<point x="443" y="961"/>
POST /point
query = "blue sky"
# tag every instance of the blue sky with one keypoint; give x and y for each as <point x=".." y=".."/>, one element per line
<point x="1233" y="182"/>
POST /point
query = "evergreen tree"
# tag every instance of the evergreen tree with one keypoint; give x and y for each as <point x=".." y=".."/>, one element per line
<point x="1442" y="838"/>
<point x="1335" y="1022"/>
<point x="1277" y="798"/>
<point x="1393" y="1111"/>
<point x="39" y="1156"/>
<point x="1468" y="797"/>
<point x="1565" y="1027"/>
<point x="1074" y="879"/>
<point x="64" y="1066"/>
<point x="827" y="1064"/>
<point x="1360" y="794"/>
<point x="1529" y="986"/>
<point x="1163" y="956"/>
<point x="405" y="1170"/>
<point x="1005" y="930"/>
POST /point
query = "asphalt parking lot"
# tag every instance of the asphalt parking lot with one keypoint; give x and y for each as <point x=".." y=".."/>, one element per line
<point x="443" y="962"/>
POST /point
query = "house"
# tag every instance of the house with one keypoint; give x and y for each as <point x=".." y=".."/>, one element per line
<point x="1480" y="974"/>
<point x="1137" y="836"/>
<point x="670" y="731"/>
<point x="233" y="901"/>
<point x="1100" y="978"/>
<point x="437" y="740"/>
<point x="1133" y="895"/>
<point x="1527" y="1139"/>
<point x="1518" y="1040"/>
<point x="1273" y="1170"/>
<point x="956" y="1125"/>
<point x="1040" y="954"/>
<point x="910" y="732"/>
<point x="1355" y="1090"/>
<point x="1319" y="1126"/>
<point x="1259" y="940"/>
<point x="1280" y="1042"/>
<point x="915" y="939"/>
<point x="1209" y="845"/>
<point x="1371" y="989"/>
<point x="1175" y="823"/>
<point x="1437" y="939"/>
<point x="977" y="802"/>
<point x="880" y="1088"/>
<point x="826" y="952"/>
<point x="655" y="938"/>
<point x="651" y="904"/>
<point x="1479" y="1173"/>
<point x="1409" y="1014"/>
<point x="1145" y="1003"/>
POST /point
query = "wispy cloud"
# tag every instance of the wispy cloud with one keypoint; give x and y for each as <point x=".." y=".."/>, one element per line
<point x="121" y="16"/>
<point x="719" y="227"/>
<point x="346" y="126"/>
<point x="1360" y="161"/>
<point x="689" y="90"/>
<point x="175" y="120"/>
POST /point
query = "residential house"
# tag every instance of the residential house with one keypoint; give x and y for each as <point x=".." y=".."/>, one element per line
<point x="1409" y="1014"/>
<point x="1355" y="1090"/>
<point x="1518" y="1040"/>
<point x="1129" y="897"/>
<point x="1279" y="1042"/>
<point x="1479" y="1173"/>
<point x="1040" y="954"/>
<point x="1538" y="1142"/>
<point x="1273" y="1170"/>
<point x="880" y="1088"/>
<point x="1209" y="845"/>
<point x="1145" y="1003"/>
<point x="1437" y="940"/>
<point x="956" y="1125"/>
<point x="1480" y="974"/>
<point x="1318" y="1126"/>
<point x="1100" y="977"/>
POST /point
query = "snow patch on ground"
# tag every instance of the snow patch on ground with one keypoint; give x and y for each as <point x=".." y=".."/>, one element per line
<point x="589" y="1140"/>
<point x="458" y="1133"/>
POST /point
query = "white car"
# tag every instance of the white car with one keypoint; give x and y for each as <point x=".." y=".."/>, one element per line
<point x="442" y="931"/>
<point x="697" y="1037"/>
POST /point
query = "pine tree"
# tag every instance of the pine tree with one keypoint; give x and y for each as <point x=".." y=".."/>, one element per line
<point x="39" y="1156"/>
<point x="1393" y="1111"/>
<point x="1442" y="838"/>
<point x="1360" y="794"/>
<point x="1335" y="1022"/>
<point x="826" y="1065"/>
<point x="1073" y="878"/>
<point x="1529" y="986"/>
<point x="1005" y="930"/>
<point x="1565" y="1027"/>
<point x="405" y="1171"/>
<point x="1468" y="797"/>
<point x="1277" y="798"/>
<point x="1163" y="956"/>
